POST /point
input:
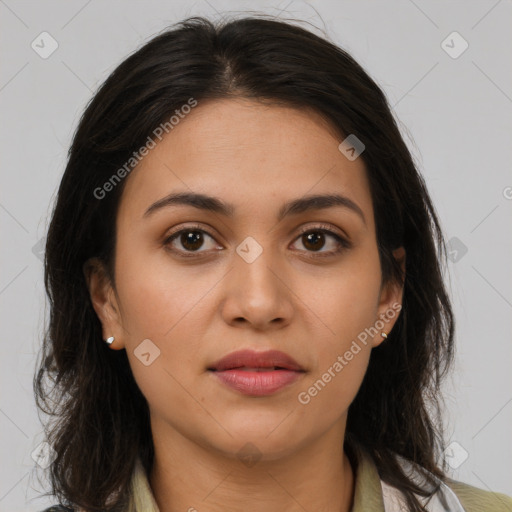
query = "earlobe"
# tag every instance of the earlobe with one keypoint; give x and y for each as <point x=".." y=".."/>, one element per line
<point x="103" y="301"/>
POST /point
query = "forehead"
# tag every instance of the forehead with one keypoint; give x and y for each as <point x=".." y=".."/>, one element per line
<point x="250" y="154"/>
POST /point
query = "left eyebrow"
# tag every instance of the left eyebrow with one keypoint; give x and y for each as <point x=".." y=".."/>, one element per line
<point x="293" y="207"/>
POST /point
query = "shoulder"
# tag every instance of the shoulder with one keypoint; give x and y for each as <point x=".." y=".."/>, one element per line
<point x="474" y="499"/>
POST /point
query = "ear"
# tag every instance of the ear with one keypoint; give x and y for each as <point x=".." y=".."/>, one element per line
<point x="390" y="303"/>
<point x="104" y="301"/>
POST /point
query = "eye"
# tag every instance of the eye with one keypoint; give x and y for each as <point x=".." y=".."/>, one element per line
<point x="315" y="238"/>
<point x="191" y="240"/>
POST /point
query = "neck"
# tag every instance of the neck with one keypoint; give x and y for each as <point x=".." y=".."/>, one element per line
<point x="188" y="476"/>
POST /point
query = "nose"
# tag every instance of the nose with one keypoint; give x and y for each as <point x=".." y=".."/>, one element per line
<point x="257" y="293"/>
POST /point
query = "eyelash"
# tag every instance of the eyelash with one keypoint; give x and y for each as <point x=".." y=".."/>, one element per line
<point x="322" y="228"/>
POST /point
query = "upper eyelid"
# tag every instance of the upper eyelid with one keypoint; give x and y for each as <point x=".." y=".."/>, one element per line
<point x="325" y="227"/>
<point x="321" y="226"/>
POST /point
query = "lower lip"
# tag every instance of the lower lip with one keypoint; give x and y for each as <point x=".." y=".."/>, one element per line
<point x="257" y="383"/>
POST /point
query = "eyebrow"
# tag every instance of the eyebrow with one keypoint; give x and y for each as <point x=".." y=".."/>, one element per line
<point x="293" y="207"/>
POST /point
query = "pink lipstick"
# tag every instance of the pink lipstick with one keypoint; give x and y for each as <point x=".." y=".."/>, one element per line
<point x="257" y="373"/>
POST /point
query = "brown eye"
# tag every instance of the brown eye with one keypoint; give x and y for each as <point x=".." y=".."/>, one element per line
<point x="189" y="240"/>
<point x="314" y="240"/>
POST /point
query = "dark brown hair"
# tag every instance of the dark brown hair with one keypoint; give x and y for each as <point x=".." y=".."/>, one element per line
<point x="100" y="418"/>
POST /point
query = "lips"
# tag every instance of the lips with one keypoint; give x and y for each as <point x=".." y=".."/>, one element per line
<point x="250" y="360"/>
<point x="257" y="374"/>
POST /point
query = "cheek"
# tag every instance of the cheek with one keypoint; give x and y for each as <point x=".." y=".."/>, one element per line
<point x="335" y="380"/>
<point x="166" y="304"/>
<point x="345" y="298"/>
<point x="157" y="293"/>
<point x="333" y="388"/>
<point x="347" y="304"/>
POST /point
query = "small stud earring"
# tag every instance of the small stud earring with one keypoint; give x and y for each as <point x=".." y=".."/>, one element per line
<point x="383" y="334"/>
<point x="110" y="340"/>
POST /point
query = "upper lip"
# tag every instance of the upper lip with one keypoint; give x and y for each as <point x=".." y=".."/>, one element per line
<point x="252" y="359"/>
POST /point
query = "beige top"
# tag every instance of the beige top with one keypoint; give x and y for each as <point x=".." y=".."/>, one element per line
<point x="370" y="495"/>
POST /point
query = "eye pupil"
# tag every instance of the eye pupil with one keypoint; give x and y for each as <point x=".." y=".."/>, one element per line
<point x="195" y="238"/>
<point x="314" y="237"/>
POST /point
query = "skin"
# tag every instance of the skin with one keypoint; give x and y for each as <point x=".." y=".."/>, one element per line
<point x="197" y="310"/>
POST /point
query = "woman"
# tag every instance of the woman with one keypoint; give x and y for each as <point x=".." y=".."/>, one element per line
<point x="242" y="224"/>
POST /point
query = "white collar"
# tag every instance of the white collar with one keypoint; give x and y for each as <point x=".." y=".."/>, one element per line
<point x="443" y="500"/>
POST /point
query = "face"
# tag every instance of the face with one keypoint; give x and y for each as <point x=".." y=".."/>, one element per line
<point x="307" y="284"/>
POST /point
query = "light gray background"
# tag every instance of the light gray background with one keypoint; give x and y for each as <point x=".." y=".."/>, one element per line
<point x="456" y="110"/>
